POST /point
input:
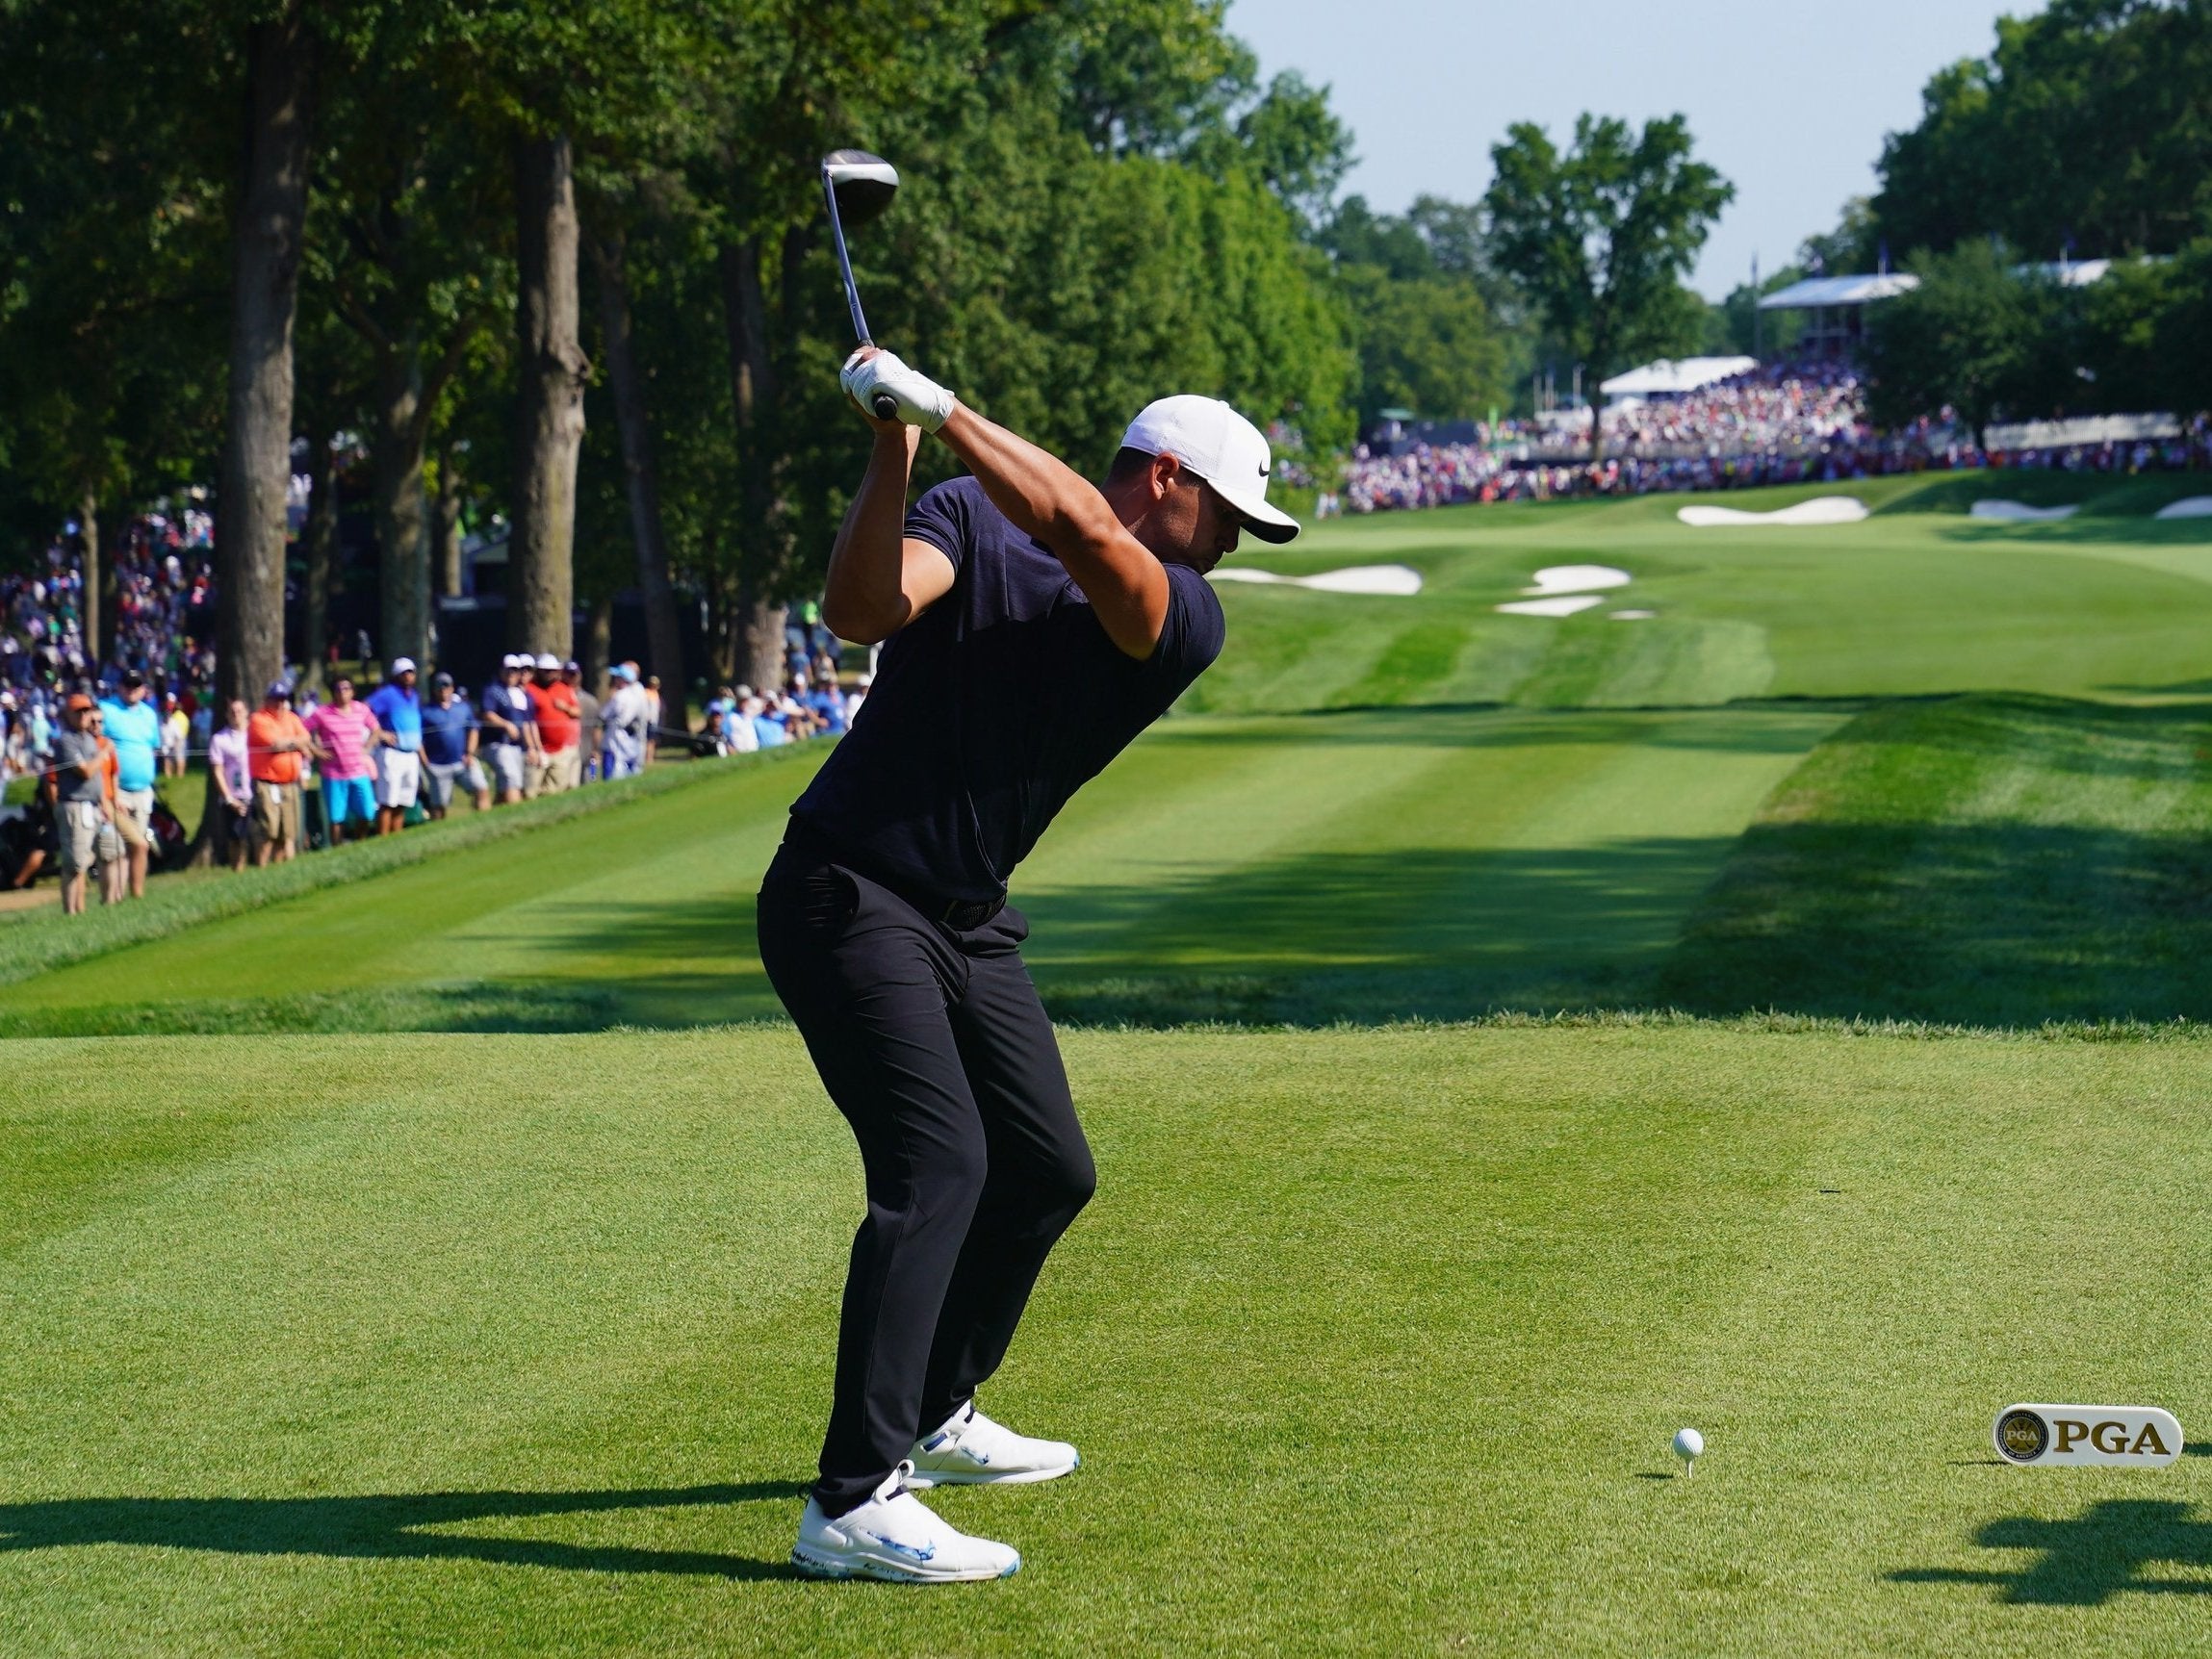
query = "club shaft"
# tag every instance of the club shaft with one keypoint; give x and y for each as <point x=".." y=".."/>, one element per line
<point x="845" y="264"/>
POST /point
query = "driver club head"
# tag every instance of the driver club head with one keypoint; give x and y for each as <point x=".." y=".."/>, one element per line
<point x="861" y="184"/>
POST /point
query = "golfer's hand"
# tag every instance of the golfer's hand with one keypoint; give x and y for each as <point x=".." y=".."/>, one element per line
<point x="921" y="401"/>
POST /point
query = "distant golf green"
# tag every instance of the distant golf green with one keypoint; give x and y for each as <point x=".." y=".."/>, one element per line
<point x="413" y="1308"/>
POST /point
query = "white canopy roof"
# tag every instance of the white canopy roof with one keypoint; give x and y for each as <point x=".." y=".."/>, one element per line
<point x="1820" y="291"/>
<point x="1675" y="374"/>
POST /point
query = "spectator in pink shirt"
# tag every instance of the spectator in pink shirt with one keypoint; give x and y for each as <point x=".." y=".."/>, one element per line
<point x="345" y="733"/>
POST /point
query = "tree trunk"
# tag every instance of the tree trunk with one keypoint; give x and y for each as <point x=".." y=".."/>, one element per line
<point x="598" y="644"/>
<point x="758" y="618"/>
<point x="321" y="558"/>
<point x="549" y="432"/>
<point x="89" y="566"/>
<point x="449" y="528"/>
<point x="763" y="624"/>
<point x="663" y="633"/>
<point x="402" y="508"/>
<point x="265" y="298"/>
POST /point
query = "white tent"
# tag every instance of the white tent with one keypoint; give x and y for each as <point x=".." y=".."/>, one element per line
<point x="1671" y="376"/>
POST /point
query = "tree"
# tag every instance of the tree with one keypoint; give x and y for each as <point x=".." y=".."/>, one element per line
<point x="1427" y="336"/>
<point x="1601" y="238"/>
<point x="549" y="411"/>
<point x="270" y="227"/>
<point x="1974" y="335"/>
<point x="2086" y="126"/>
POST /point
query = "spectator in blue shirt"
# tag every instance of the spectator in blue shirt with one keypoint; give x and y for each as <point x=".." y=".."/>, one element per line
<point x="450" y="749"/>
<point x="768" y="729"/>
<point x="134" y="726"/>
<point x="399" y="712"/>
<point x="826" y="703"/>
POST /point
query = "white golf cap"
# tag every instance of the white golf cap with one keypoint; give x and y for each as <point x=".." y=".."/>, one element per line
<point x="402" y="665"/>
<point x="510" y="660"/>
<point x="1211" y="439"/>
<point x="547" y="660"/>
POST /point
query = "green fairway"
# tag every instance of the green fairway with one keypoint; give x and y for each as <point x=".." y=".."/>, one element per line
<point x="1372" y="1342"/>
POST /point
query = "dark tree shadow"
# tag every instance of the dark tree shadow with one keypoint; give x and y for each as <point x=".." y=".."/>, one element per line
<point x="388" y="1527"/>
<point x="2085" y="1562"/>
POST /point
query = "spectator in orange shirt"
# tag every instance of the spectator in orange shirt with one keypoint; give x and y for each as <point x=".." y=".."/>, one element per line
<point x="277" y="745"/>
<point x="560" y="726"/>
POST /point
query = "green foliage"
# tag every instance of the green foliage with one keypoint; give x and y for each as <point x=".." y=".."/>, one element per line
<point x="1972" y="335"/>
<point x="1601" y="236"/>
<point x="2086" y="126"/>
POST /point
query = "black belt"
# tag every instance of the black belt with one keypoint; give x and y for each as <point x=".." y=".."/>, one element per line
<point x="961" y="914"/>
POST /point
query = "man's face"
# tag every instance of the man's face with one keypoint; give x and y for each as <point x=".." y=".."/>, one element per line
<point x="134" y="694"/>
<point x="444" y="696"/>
<point x="1193" y="526"/>
<point x="236" y="712"/>
<point x="407" y="680"/>
<point x="343" y="692"/>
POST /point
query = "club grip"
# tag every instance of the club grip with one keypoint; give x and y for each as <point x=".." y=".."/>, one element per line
<point x="887" y="406"/>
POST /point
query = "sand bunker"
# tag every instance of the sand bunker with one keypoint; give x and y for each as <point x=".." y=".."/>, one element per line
<point x="2188" y="507"/>
<point x="1820" y="510"/>
<point x="1398" y="582"/>
<point x="1577" y="580"/>
<point x="2020" y="513"/>
<point x="1558" y="605"/>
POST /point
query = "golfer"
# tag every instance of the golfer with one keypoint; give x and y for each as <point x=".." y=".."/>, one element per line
<point x="1036" y="624"/>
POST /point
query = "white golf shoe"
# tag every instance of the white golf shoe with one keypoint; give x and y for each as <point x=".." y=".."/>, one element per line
<point x="894" y="1536"/>
<point x="972" y="1450"/>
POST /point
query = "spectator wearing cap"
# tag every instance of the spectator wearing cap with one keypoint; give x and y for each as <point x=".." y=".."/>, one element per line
<point x="450" y="751"/>
<point x="277" y="745"/>
<point x="735" y="730"/>
<point x="623" y="723"/>
<point x="587" y="718"/>
<point x="346" y="734"/>
<point x="230" y="764"/>
<point x="398" y="750"/>
<point x="861" y="686"/>
<point x="509" y="737"/>
<point x="134" y="727"/>
<point x="84" y="793"/>
<point x="770" y="728"/>
<point x="560" y="726"/>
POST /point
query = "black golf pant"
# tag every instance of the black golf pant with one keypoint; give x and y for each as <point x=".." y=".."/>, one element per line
<point x="934" y="1045"/>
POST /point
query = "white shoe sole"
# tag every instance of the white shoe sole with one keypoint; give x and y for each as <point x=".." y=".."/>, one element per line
<point x="816" y="1565"/>
<point x="923" y="1479"/>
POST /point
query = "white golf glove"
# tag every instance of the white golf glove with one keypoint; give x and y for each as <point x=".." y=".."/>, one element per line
<point x="921" y="401"/>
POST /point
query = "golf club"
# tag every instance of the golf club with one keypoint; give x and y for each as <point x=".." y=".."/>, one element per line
<point x="857" y="187"/>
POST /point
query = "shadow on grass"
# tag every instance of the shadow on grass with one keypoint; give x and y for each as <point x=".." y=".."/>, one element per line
<point x="1735" y="727"/>
<point x="2085" y="1562"/>
<point x="389" y="1527"/>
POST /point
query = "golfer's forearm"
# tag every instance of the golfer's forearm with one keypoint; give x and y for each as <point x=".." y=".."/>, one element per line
<point x="864" y="597"/>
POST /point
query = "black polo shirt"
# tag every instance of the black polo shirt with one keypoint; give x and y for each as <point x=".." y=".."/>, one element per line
<point x="995" y="706"/>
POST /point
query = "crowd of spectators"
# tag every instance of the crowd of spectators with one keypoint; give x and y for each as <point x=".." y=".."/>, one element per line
<point x="1776" y="424"/>
<point x="295" y="772"/>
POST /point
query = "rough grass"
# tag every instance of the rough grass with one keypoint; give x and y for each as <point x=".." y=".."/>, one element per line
<point x="42" y="942"/>
<point x="1374" y="1343"/>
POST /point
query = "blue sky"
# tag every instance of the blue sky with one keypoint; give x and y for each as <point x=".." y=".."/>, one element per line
<point x="1789" y="99"/>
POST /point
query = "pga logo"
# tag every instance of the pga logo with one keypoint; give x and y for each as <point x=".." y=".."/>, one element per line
<point x="2116" y="1437"/>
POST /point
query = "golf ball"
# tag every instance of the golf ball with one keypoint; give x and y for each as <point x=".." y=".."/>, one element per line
<point x="1688" y="1444"/>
